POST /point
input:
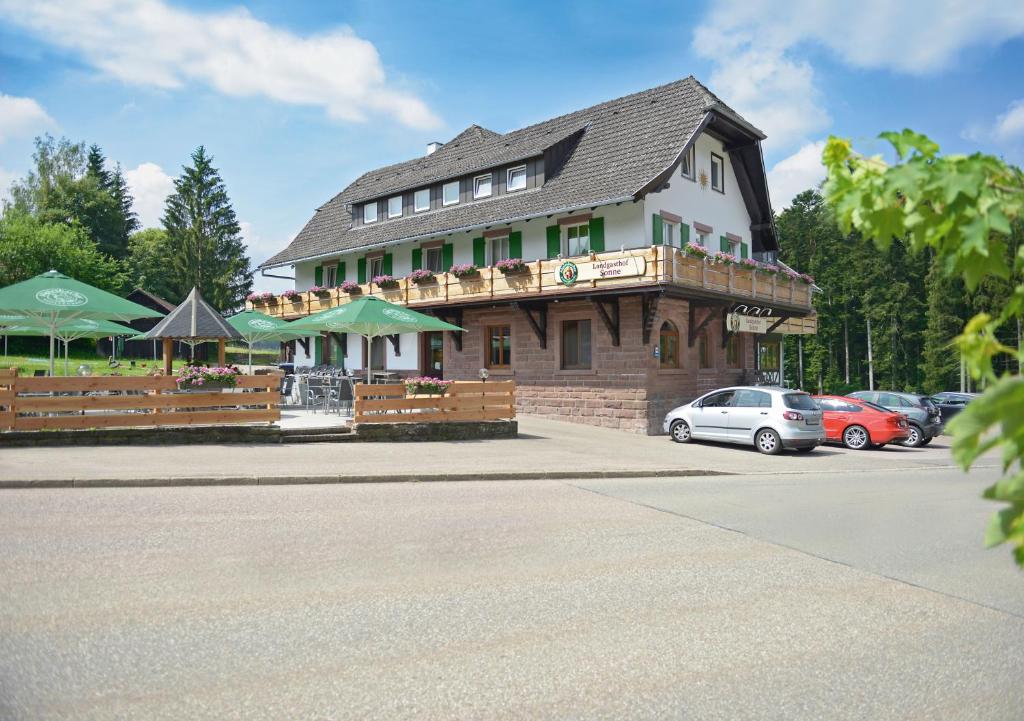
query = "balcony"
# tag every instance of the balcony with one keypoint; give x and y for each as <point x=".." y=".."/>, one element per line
<point x="669" y="268"/>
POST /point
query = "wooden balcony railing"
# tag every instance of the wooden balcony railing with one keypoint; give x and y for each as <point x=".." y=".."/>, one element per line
<point x="541" y="278"/>
<point x="464" y="401"/>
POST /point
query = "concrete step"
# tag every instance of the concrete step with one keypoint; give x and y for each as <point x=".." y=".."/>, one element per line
<point x="318" y="437"/>
<point x="322" y="431"/>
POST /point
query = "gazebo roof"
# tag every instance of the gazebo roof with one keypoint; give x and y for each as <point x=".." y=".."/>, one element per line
<point x="194" y="319"/>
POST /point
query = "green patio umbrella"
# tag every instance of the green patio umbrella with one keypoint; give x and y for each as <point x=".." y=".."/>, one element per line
<point x="255" y="327"/>
<point x="371" y="318"/>
<point x="52" y="298"/>
<point x="69" y="331"/>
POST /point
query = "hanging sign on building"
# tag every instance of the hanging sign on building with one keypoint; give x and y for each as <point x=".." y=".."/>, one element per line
<point x="569" y="272"/>
<point x="748" y="323"/>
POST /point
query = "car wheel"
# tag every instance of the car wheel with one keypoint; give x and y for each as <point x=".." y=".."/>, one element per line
<point x="680" y="431"/>
<point x="768" y="442"/>
<point x="914" y="439"/>
<point x="856" y="438"/>
<point x="926" y="441"/>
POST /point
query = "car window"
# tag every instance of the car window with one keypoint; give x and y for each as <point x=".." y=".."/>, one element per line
<point x="852" y="408"/>
<point x="718" y="400"/>
<point x="877" y="407"/>
<point x="752" y="399"/>
<point x="800" y="401"/>
<point x="889" y="400"/>
<point x="862" y="395"/>
<point x="828" y="404"/>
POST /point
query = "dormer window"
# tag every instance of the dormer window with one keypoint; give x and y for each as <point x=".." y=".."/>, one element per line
<point x="450" y="193"/>
<point x="395" y="207"/>
<point x="421" y="200"/>
<point x="717" y="173"/>
<point x="482" y="186"/>
<point x="516" y="178"/>
<point x="370" y="213"/>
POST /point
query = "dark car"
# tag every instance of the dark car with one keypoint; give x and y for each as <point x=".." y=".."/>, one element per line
<point x="923" y="415"/>
<point x="950" y="403"/>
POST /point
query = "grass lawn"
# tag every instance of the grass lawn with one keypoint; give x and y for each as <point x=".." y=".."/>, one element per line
<point x="27" y="365"/>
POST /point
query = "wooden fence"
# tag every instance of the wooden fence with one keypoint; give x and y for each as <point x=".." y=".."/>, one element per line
<point x="464" y="401"/>
<point x="70" y="403"/>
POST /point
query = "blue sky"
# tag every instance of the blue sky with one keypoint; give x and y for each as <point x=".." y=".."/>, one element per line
<point x="296" y="99"/>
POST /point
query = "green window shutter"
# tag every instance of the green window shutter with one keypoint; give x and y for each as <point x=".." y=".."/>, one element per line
<point x="657" y="230"/>
<point x="339" y="273"/>
<point x="417" y="258"/>
<point x="361" y="271"/>
<point x="684" y="234"/>
<point x="387" y="266"/>
<point x="318" y="343"/>
<point x="723" y="244"/>
<point x="597" y="235"/>
<point x="515" y="244"/>
<point x="447" y="257"/>
<point x="554" y="241"/>
<point x="318" y="275"/>
<point x="743" y="250"/>
<point x="479" y="252"/>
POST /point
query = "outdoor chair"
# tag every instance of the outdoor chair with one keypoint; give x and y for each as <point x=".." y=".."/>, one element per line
<point x="315" y="396"/>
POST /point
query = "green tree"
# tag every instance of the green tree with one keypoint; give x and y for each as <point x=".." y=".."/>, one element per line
<point x="148" y="260"/>
<point x="29" y="247"/>
<point x="204" y="238"/>
<point x="55" y="162"/>
<point x="963" y="208"/>
<point x="96" y="167"/>
<point x="946" y="315"/>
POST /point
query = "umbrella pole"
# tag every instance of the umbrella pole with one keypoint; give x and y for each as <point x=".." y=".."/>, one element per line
<point x="369" y="358"/>
<point x="249" y="343"/>
<point x="65" y="357"/>
<point x="52" y="331"/>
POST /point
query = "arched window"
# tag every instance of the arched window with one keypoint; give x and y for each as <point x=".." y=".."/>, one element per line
<point x="668" y="344"/>
<point x="704" y="349"/>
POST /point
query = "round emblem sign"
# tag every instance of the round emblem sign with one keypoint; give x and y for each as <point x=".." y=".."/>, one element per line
<point x="87" y="323"/>
<point x="568" y="273"/>
<point x="61" y="297"/>
<point x="260" y="324"/>
<point x="399" y="315"/>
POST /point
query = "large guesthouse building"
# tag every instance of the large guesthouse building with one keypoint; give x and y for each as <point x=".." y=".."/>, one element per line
<point x="615" y="262"/>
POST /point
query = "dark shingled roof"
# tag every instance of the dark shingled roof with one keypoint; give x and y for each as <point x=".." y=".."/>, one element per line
<point x="623" y="145"/>
<point x="193" y="319"/>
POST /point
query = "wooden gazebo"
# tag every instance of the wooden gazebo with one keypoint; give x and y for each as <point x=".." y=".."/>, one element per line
<point x="192" y="322"/>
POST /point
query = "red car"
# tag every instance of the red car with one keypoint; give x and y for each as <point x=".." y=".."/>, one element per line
<point x="861" y="424"/>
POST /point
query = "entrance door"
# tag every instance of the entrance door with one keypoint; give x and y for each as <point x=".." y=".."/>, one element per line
<point x="432" y="354"/>
<point x="769" y="366"/>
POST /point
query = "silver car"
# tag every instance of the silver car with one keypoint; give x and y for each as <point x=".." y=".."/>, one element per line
<point x="769" y="418"/>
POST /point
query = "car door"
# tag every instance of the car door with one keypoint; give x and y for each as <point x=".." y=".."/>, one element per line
<point x="833" y="416"/>
<point x="711" y="419"/>
<point x="749" y="409"/>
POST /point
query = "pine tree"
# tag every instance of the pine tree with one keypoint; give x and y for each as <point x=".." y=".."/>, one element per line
<point x="95" y="167"/>
<point x="204" y="238"/>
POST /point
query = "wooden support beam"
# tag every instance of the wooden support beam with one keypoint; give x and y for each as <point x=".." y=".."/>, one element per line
<point x="539" y="324"/>
<point x="649" y="308"/>
<point x="168" y="356"/>
<point x="395" y="343"/>
<point x="221" y="356"/>
<point x="608" y="311"/>
<point x="453" y="316"/>
<point x="726" y="333"/>
<point x="693" y="327"/>
<point x="304" y="342"/>
<point x="776" y="324"/>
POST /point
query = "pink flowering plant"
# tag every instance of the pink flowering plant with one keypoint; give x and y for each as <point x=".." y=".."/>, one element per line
<point x="421" y="276"/>
<point x="320" y="290"/>
<point x="385" y="281"/>
<point x="351" y="287"/>
<point x="464" y="270"/>
<point x="191" y="376"/>
<point x="264" y="297"/>
<point x="291" y="294"/>
<point x="695" y="250"/>
<point x="724" y="258"/>
<point x="749" y="263"/>
<point x="511" y="265"/>
<point x="425" y="385"/>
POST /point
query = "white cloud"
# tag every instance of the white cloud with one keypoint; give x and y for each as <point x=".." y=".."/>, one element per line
<point x="755" y="46"/>
<point x="151" y="43"/>
<point x="6" y="178"/>
<point x="150" y="186"/>
<point x="1010" y="125"/>
<point x="793" y="175"/>
<point x="22" y="116"/>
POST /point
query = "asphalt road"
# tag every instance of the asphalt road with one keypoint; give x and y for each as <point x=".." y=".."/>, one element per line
<point x="784" y="596"/>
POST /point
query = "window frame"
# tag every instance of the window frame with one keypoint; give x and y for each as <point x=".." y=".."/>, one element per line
<point x="416" y="200"/>
<point x="705" y="361"/>
<point x="491" y="256"/>
<point x="507" y="358"/>
<point x="508" y="179"/>
<point x="370" y="262"/>
<point x="477" y="195"/>
<point x="330" y="275"/>
<point x="672" y="333"/>
<point x="579" y="366"/>
<point x="689" y="157"/>
<point x="565" y="247"/>
<point x="438" y="251"/>
<point x="376" y="212"/>
<point x="400" y="206"/>
<point x="734" y="346"/>
<point x="458" y="193"/>
<point x="721" y="173"/>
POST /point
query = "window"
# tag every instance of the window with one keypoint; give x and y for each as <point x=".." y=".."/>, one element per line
<point x="395" y="207"/>
<point x="577" y="239"/>
<point x="375" y="266"/>
<point x="668" y="346"/>
<point x="499" y="249"/>
<point x="330" y="276"/>
<point x="668" y="233"/>
<point x="421" y="200"/>
<point x="717" y="173"/>
<point x="734" y="352"/>
<point x="800" y="401"/>
<point x="718" y="400"/>
<point x="686" y="164"/>
<point x="433" y="259"/>
<point x="499" y="346"/>
<point x="734" y="246"/>
<point x="450" y="193"/>
<point x="576" y="345"/>
<point x="482" y="186"/>
<point x="516" y="178"/>
<point x="702" y="239"/>
<point x="752" y="399"/>
<point x="704" y="349"/>
<point x="370" y="213"/>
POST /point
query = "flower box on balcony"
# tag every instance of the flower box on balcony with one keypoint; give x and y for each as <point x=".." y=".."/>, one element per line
<point x="292" y="295"/>
<point x="265" y="298"/>
<point x="465" y="271"/>
<point x="422" y="277"/>
<point x="385" y="282"/>
<point x="351" y="287"/>
<point x="511" y="266"/>
<point x="426" y="385"/>
<point x="195" y="378"/>
<point x="320" y="292"/>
